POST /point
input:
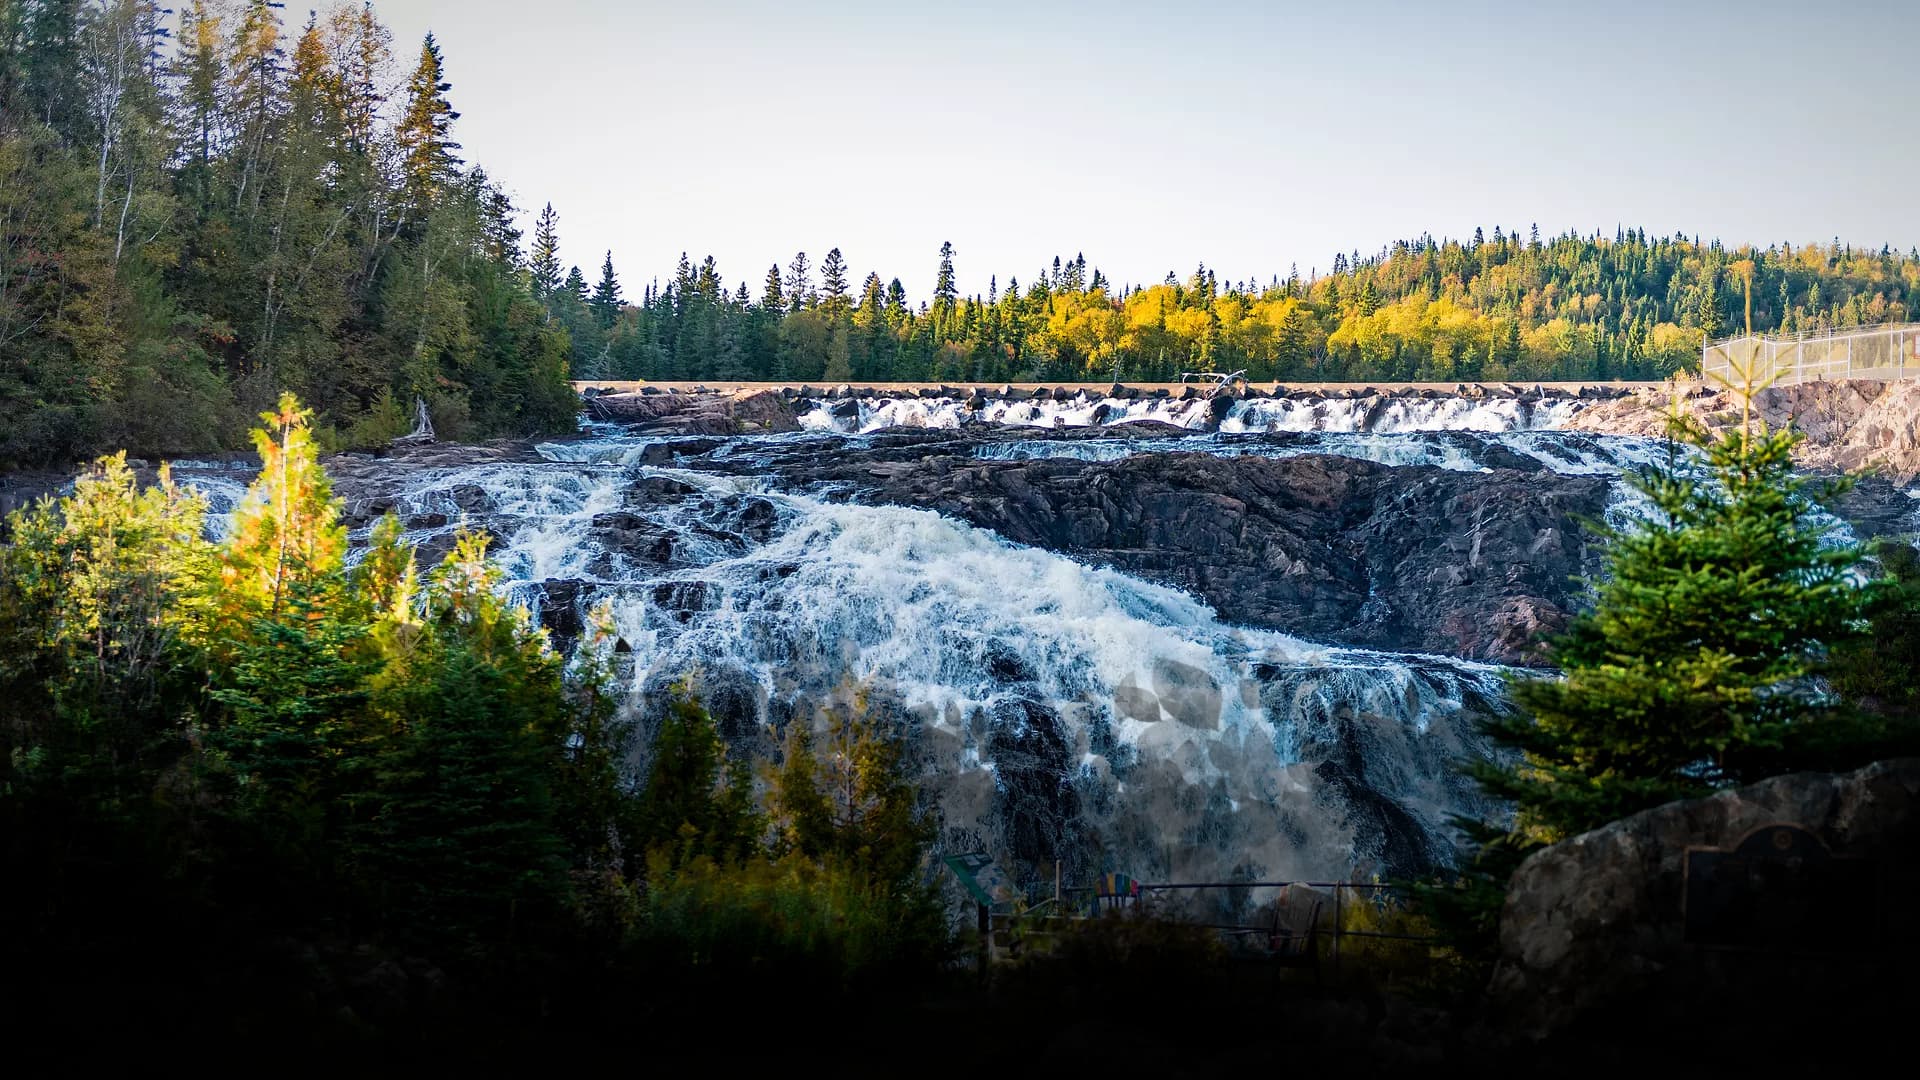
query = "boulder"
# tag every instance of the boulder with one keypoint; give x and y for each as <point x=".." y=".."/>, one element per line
<point x="1596" y="938"/>
<point x="699" y="413"/>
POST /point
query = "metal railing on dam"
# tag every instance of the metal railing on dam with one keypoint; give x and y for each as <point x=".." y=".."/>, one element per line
<point x="1875" y="352"/>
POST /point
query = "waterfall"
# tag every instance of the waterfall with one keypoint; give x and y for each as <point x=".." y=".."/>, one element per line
<point x="1376" y="413"/>
<point x="1055" y="710"/>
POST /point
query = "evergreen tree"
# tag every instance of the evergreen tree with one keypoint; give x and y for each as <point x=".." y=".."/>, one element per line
<point x="605" y="300"/>
<point x="799" y="283"/>
<point x="945" y="290"/>
<point x="1695" y="667"/>
<point x="772" y="297"/>
<point x="834" y="298"/>
<point x="460" y="832"/>
<point x="425" y="131"/>
<point x="544" y="262"/>
<point x="694" y="802"/>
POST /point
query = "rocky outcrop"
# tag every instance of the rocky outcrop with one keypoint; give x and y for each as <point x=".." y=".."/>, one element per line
<point x="1419" y="559"/>
<point x="1594" y="938"/>
<point x="1850" y="424"/>
<point x="743" y="412"/>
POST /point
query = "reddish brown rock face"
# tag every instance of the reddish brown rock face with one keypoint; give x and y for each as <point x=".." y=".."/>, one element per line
<point x="1849" y="424"/>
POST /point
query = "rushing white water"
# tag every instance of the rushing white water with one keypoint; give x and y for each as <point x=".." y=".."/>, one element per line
<point x="1057" y="710"/>
<point x="1377" y="414"/>
<point x="1568" y="454"/>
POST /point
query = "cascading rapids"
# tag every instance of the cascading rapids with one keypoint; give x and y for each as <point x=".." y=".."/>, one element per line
<point x="1057" y="711"/>
<point x="1375" y="414"/>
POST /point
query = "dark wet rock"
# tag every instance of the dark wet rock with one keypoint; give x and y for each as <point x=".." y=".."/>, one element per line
<point x="1032" y="757"/>
<point x="742" y="412"/>
<point x="757" y="520"/>
<point x="650" y="490"/>
<point x="560" y="612"/>
<point x="1330" y="548"/>
<point x="1004" y="665"/>
<point x="684" y="599"/>
<point x="1878" y="509"/>
<point x="633" y="536"/>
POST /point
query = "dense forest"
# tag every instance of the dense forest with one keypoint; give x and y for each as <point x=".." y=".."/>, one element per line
<point x="1570" y="307"/>
<point x="201" y="209"/>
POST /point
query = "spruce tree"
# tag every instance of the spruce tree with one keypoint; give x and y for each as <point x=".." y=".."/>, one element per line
<point x="1696" y="667"/>
<point x="544" y="261"/>
<point x="834" y="297"/>
<point x="457" y="828"/>
<point x="425" y="131"/>
<point x="694" y="803"/>
<point x="773" y="298"/>
<point x="945" y="289"/>
<point x="605" y="300"/>
<point x="799" y="283"/>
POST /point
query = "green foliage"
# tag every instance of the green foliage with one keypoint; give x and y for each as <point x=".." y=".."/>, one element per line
<point x="695" y="804"/>
<point x="277" y="734"/>
<point x="175" y="252"/>
<point x="469" y="723"/>
<point x="819" y="924"/>
<point x="1122" y="948"/>
<point x="853" y="802"/>
<point x="1695" y="667"/>
<point x="89" y="633"/>
<point x="829" y="884"/>
<point x="1572" y="307"/>
<point x="1877" y="669"/>
<point x="266" y="745"/>
<point x="384" y="421"/>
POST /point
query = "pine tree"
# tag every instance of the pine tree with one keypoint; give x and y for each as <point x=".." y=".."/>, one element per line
<point x="544" y="261"/>
<point x="799" y="283"/>
<point x="772" y="297"/>
<point x="605" y="300"/>
<point x="457" y="828"/>
<point x="695" y="803"/>
<point x="834" y="298"/>
<point x="425" y="132"/>
<point x="361" y="50"/>
<point x="1695" y="667"/>
<point x="945" y="289"/>
<point x="849" y="800"/>
<point x="286" y="535"/>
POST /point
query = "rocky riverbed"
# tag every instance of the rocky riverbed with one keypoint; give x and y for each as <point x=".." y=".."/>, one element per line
<point x="1175" y="636"/>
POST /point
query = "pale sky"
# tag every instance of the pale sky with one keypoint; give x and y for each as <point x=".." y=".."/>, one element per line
<point x="1156" y="136"/>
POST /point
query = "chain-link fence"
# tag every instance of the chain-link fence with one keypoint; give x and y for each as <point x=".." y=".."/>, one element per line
<point x="1880" y="352"/>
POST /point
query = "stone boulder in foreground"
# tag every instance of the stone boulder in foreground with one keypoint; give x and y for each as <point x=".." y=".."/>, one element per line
<point x="1603" y="938"/>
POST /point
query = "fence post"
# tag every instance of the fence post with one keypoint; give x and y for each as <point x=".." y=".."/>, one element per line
<point x="1339" y="928"/>
<point x="986" y="939"/>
